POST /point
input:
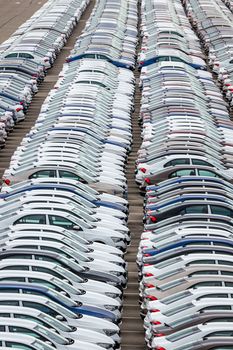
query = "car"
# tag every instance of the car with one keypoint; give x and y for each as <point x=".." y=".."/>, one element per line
<point x="82" y="334"/>
<point x="59" y="312"/>
<point x="59" y="271"/>
<point x="192" y="335"/>
<point x="70" y="222"/>
<point x="37" y="331"/>
<point x="63" y="261"/>
<point x="59" y="298"/>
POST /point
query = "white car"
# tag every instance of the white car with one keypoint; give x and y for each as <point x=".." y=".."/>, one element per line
<point x="59" y="271"/>
<point x="191" y="336"/>
<point x="25" y="313"/>
<point x="36" y="331"/>
<point x="78" y="295"/>
<point x="61" y="313"/>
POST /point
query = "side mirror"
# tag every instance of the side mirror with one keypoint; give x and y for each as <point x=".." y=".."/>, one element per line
<point x="76" y="228"/>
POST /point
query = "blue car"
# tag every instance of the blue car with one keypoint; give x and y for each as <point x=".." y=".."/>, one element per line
<point x="26" y="288"/>
<point x="99" y="56"/>
<point x="183" y="198"/>
<point x="161" y="58"/>
<point x="187" y="242"/>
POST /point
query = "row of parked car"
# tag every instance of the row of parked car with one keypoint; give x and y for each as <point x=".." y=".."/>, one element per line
<point x="184" y="168"/>
<point x="27" y="55"/>
<point x="212" y="21"/>
<point x="111" y="35"/>
<point x="63" y="205"/>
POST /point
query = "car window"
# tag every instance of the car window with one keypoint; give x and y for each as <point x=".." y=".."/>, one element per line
<point x="206" y="173"/>
<point x="218" y="210"/>
<point x="221" y="319"/>
<point x="43" y="283"/>
<point x="200" y="162"/>
<point x="32" y="219"/>
<point x="5" y="314"/>
<point x="30" y="318"/>
<point x="23" y="330"/>
<point x="228" y="284"/>
<point x="208" y="284"/>
<point x="216" y="307"/>
<point x="11" y="55"/>
<point x="194" y="209"/>
<point x="45" y="270"/>
<point x="9" y="302"/>
<point x="69" y="175"/>
<point x="9" y="290"/>
<point x="221" y="334"/>
<point x="60" y="221"/>
<point x="182" y="172"/>
<point x="177" y="162"/>
<point x="16" y="267"/>
<point x="12" y="344"/>
<point x="25" y="55"/>
<point x="43" y="174"/>
<point x="175" y="59"/>
<point x="200" y="273"/>
<point x="40" y="307"/>
<point x="200" y="262"/>
<point x="15" y="279"/>
<point x="213" y="295"/>
<point x="225" y="262"/>
<point x="226" y="347"/>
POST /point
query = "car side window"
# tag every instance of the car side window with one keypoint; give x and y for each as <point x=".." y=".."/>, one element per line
<point x="19" y="267"/>
<point x="40" y="307"/>
<point x="43" y="174"/>
<point x="200" y="162"/>
<point x="45" y="270"/>
<point x="194" y="209"/>
<point x="182" y="172"/>
<point x="16" y="329"/>
<point x="11" y="55"/>
<point x="206" y="173"/>
<point x="9" y="302"/>
<point x="175" y="59"/>
<point x="177" y="162"/>
<point x="218" y="210"/>
<point x="60" y="221"/>
<point x="15" y="279"/>
<point x="69" y="175"/>
<point x="216" y="307"/>
<point x="25" y="55"/>
<point x="32" y="219"/>
<point x="208" y="284"/>
<point x="15" y="345"/>
<point x="221" y="334"/>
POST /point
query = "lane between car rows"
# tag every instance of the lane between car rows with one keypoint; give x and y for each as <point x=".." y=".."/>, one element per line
<point x="21" y="129"/>
<point x="132" y="326"/>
